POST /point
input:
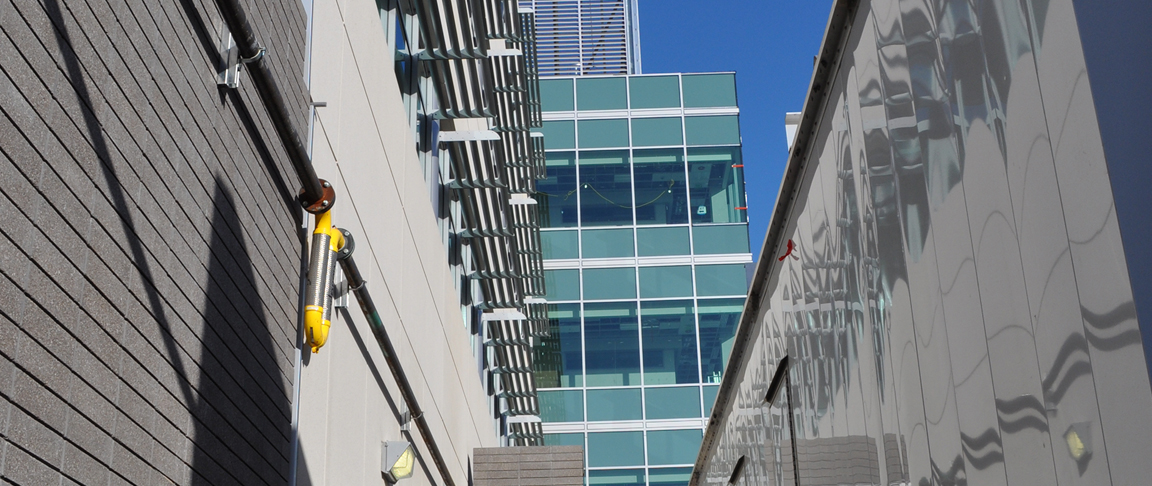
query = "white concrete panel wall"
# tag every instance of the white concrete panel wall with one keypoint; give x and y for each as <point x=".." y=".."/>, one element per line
<point x="349" y="402"/>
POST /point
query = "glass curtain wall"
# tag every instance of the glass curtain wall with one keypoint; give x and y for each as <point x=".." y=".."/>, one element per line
<point x="646" y="242"/>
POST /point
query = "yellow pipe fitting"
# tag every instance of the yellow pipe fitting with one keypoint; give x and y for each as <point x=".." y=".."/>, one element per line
<point x="326" y="241"/>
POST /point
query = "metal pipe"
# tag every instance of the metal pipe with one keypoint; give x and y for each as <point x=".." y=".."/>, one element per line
<point x="359" y="287"/>
<point x="313" y="194"/>
<point x="326" y="240"/>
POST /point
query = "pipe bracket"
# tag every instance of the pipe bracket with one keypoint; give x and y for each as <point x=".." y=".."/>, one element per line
<point x="324" y="204"/>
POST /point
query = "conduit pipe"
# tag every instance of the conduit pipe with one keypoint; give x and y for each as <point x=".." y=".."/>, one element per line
<point x="357" y="285"/>
<point x="317" y="197"/>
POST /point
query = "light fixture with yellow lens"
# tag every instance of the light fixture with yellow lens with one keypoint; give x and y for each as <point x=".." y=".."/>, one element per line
<point x="397" y="460"/>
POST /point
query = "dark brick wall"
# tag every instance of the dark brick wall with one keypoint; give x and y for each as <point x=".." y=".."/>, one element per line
<point x="149" y="246"/>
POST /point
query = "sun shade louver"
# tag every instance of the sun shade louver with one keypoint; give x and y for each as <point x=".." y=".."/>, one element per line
<point x="479" y="56"/>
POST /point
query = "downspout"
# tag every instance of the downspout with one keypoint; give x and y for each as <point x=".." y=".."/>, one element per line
<point x="317" y="197"/>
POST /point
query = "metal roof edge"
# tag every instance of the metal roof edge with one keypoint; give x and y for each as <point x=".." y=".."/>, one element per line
<point x="840" y="21"/>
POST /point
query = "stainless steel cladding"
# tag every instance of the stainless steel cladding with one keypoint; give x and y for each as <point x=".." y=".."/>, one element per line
<point x="961" y="310"/>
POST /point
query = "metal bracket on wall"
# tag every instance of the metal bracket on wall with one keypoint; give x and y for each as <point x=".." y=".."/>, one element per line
<point x="228" y="73"/>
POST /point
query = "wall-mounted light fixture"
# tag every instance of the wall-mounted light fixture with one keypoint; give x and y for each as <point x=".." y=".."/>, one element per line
<point x="397" y="460"/>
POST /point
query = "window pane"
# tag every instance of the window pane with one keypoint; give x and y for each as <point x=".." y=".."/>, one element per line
<point x="601" y="134"/>
<point x="558" y="245"/>
<point x="661" y="191"/>
<point x="721" y="280"/>
<point x="616" y="477"/>
<point x="605" y="188"/>
<point x="559" y="358"/>
<point x="556" y="95"/>
<point x="561" y="406"/>
<point x="601" y="94"/>
<point x="607" y="449"/>
<point x="710" y="239"/>
<point x="709" y="399"/>
<point x="608" y="243"/>
<point x="672" y="403"/>
<point x="717" y="187"/>
<point x="558" y="134"/>
<point x="668" y="329"/>
<point x="673" y="446"/>
<point x="662" y="241"/>
<point x="669" y="476"/>
<point x="612" y="344"/>
<point x="557" y="194"/>
<point x="564" y="440"/>
<point x="617" y="404"/>
<point x="562" y="284"/>
<point x="709" y="90"/>
<point x="712" y="130"/>
<point x="654" y="92"/>
<point x="656" y="282"/>
<point x="718" y="320"/>
<point x="609" y="283"/>
<point x="650" y="132"/>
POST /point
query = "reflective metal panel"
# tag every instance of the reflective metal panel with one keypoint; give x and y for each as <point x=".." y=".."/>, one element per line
<point x="949" y="283"/>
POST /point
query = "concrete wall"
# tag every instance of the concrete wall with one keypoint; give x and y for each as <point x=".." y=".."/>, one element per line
<point x="363" y="145"/>
<point x="149" y="247"/>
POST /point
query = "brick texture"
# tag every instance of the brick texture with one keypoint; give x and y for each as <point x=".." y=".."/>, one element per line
<point x="528" y="466"/>
<point x="149" y="246"/>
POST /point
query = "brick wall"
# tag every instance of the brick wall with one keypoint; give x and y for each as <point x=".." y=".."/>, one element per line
<point x="149" y="250"/>
<point x="528" y="466"/>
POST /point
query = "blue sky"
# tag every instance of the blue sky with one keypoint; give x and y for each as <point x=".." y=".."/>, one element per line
<point x="770" y="45"/>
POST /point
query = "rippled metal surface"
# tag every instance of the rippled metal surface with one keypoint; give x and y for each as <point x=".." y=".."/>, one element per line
<point x="960" y="312"/>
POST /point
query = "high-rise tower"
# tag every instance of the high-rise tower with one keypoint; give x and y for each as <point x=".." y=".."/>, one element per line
<point x="586" y="37"/>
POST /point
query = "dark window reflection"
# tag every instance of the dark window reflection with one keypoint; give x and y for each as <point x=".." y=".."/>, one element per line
<point x="716" y="178"/>
<point x="559" y="360"/>
<point x="718" y="320"/>
<point x="557" y="194"/>
<point x="612" y="340"/>
<point x="669" y="333"/>
<point x="605" y="188"/>
<point x="661" y="191"/>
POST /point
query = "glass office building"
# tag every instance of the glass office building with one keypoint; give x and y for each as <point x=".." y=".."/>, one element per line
<point x="645" y="244"/>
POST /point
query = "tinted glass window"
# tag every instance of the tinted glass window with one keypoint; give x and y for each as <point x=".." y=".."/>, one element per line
<point x="612" y="344"/>
<point x="718" y="320"/>
<point x="657" y="282"/>
<point x="668" y="329"/>
<point x="669" y="476"/>
<point x="608" y="243"/>
<point x="605" y="188"/>
<point x="654" y="92"/>
<point x="651" y="132"/>
<point x="607" y="449"/>
<point x="661" y="188"/>
<point x="614" y="404"/>
<point x="710" y="399"/>
<point x="559" y="244"/>
<point x="616" y="477"/>
<point x="564" y="440"/>
<point x="558" y="134"/>
<point x="662" y="241"/>
<point x="672" y="402"/>
<point x="712" y="130"/>
<point x="561" y="406"/>
<point x="717" y="185"/>
<point x="556" y="194"/>
<point x="601" y="134"/>
<point x="609" y="283"/>
<point x="559" y="359"/>
<point x="556" y="95"/>
<point x="714" y="239"/>
<point x="709" y="90"/>
<point x="666" y="447"/>
<point x="601" y="94"/>
<point x="562" y="284"/>
<point x="721" y="280"/>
